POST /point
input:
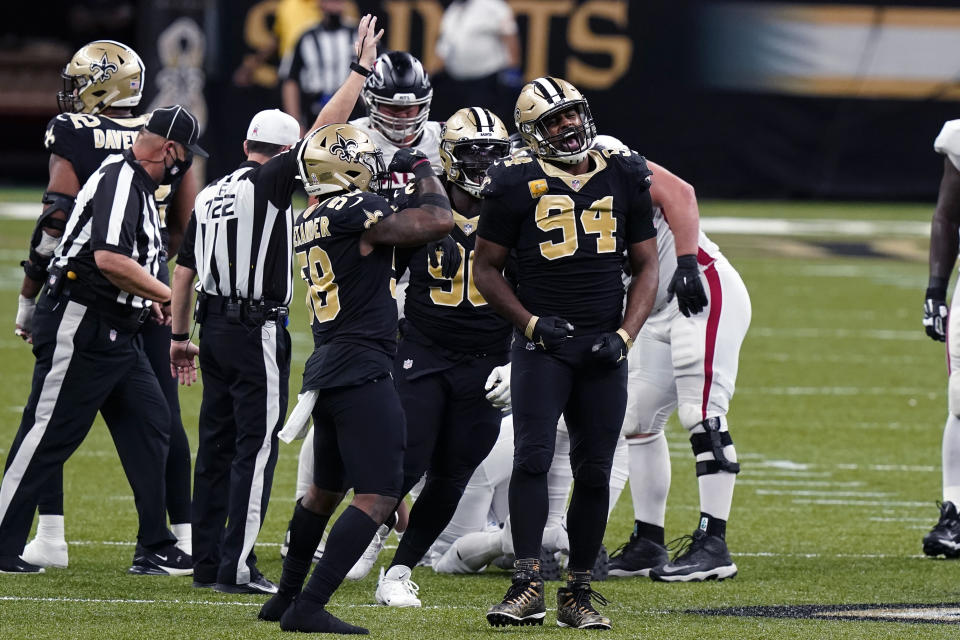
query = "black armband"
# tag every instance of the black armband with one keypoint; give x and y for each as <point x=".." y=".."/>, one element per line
<point x="435" y="199"/>
<point x="359" y="68"/>
<point x="937" y="285"/>
<point x="179" y="337"/>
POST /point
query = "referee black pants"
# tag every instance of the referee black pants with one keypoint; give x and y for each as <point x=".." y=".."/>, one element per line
<point x="246" y="372"/>
<point x="156" y="344"/>
<point x="85" y="363"/>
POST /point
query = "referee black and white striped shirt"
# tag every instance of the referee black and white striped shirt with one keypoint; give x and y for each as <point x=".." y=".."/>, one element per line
<point x="319" y="63"/>
<point x="240" y="236"/>
<point x="114" y="211"/>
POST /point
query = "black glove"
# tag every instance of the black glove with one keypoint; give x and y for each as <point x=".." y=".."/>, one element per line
<point x="413" y="161"/>
<point x="935" y="312"/>
<point x="445" y="253"/>
<point x="610" y="349"/>
<point x="548" y="332"/>
<point x="686" y="284"/>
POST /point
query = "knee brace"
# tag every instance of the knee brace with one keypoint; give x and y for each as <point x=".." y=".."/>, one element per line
<point x="712" y="441"/>
<point x="42" y="244"/>
<point x="953" y="393"/>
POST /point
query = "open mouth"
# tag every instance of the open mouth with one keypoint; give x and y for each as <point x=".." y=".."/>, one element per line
<point x="570" y="140"/>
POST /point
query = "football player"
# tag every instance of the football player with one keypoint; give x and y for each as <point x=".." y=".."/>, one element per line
<point x="102" y="83"/>
<point x="451" y="341"/>
<point x="397" y="95"/>
<point x="570" y="212"/>
<point x="345" y="245"/>
<point x="944" y="538"/>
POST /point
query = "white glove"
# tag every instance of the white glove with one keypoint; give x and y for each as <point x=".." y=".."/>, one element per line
<point x="498" y="384"/>
<point x="25" y="309"/>
<point x="298" y="424"/>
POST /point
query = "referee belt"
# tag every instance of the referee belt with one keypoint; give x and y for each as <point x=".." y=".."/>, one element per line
<point x="241" y="310"/>
<point x="123" y="316"/>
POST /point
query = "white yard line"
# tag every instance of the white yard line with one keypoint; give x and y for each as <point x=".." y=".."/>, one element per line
<point x="824" y="494"/>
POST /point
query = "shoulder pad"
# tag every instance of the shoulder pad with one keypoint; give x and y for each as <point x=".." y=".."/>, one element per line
<point x="354" y="212"/>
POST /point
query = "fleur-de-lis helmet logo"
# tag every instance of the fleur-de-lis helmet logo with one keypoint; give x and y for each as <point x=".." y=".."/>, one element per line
<point x="344" y="148"/>
<point x="103" y="70"/>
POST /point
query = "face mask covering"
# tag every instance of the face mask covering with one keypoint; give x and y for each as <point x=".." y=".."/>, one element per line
<point x="177" y="170"/>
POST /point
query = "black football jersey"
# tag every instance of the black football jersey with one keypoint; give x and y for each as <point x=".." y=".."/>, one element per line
<point x="570" y="232"/>
<point x="450" y="312"/>
<point x="350" y="297"/>
<point x="86" y="141"/>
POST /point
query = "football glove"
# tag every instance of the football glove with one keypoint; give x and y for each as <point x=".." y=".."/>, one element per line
<point x="445" y="254"/>
<point x="408" y="160"/>
<point x="611" y="348"/>
<point x="25" y="309"/>
<point x="498" y="385"/>
<point x="687" y="286"/>
<point x="935" y="312"/>
<point x="548" y="332"/>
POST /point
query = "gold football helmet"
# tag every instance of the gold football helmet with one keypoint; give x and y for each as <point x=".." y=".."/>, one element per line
<point x="543" y="98"/>
<point x="472" y="139"/>
<point x="102" y="74"/>
<point x="341" y="157"/>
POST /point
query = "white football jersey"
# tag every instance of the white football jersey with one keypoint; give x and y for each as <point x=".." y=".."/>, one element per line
<point x="707" y="253"/>
<point x="948" y="142"/>
<point x="429" y="144"/>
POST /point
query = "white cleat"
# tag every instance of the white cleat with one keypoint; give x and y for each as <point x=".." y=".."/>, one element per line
<point x="396" y="589"/>
<point x="369" y="557"/>
<point x="46" y="553"/>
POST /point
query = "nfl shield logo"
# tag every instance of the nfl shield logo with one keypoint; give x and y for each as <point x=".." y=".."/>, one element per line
<point x="468" y="228"/>
<point x="113" y="335"/>
<point x="575" y="184"/>
<point x="408" y="363"/>
<point x="530" y="346"/>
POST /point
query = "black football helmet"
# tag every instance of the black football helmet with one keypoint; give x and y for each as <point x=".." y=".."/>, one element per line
<point x="397" y="80"/>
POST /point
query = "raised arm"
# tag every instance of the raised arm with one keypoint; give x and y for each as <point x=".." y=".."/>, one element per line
<point x="341" y="103"/>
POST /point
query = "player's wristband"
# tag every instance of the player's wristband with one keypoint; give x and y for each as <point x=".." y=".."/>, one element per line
<point x="627" y="340"/>
<point x="179" y="337"/>
<point x="530" y="325"/>
<point x="435" y="199"/>
<point x="359" y="68"/>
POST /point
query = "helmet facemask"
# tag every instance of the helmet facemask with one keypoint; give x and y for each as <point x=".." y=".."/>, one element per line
<point x="570" y="145"/>
<point x="471" y="159"/>
<point x="397" y="129"/>
<point x="341" y="158"/>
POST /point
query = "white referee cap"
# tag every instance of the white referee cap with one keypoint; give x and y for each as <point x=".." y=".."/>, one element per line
<point x="274" y="126"/>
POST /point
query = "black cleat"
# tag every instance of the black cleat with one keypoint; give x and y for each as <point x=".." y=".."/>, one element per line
<point x="637" y="557"/>
<point x="274" y="608"/>
<point x="258" y="585"/>
<point x="306" y="618"/>
<point x="16" y="565"/>
<point x="168" y="560"/>
<point x="944" y="538"/>
<point x="601" y="567"/>
<point x="549" y="565"/>
<point x="523" y="603"/>
<point x="575" y="609"/>
<point x="698" y="557"/>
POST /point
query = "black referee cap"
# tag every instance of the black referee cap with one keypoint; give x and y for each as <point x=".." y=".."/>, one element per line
<point x="177" y="124"/>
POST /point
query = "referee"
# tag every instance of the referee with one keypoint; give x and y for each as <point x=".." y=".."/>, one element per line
<point x="239" y="243"/>
<point x="89" y="353"/>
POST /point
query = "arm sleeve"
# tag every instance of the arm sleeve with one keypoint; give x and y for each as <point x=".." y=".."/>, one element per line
<point x="186" y="256"/>
<point x="499" y="219"/>
<point x="279" y="176"/>
<point x="116" y="212"/>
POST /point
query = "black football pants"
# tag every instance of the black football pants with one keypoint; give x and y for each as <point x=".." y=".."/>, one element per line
<point x="246" y="371"/>
<point x="85" y="363"/>
<point x="592" y="399"/>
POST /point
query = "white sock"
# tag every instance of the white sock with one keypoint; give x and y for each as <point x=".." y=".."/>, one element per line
<point x="618" y="474"/>
<point x="305" y="466"/>
<point x="559" y="479"/>
<point x="649" y="477"/>
<point x="50" y="528"/>
<point x="184" y="537"/>
<point x="951" y="460"/>
<point x="716" y="489"/>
